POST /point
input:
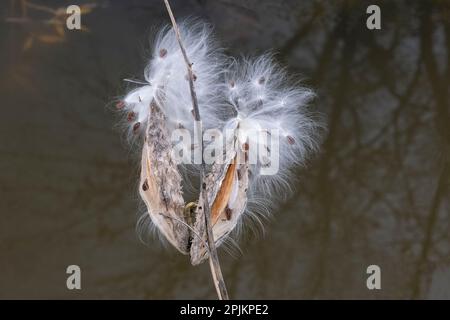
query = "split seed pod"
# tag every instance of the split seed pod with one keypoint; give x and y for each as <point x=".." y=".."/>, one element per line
<point x="248" y="96"/>
<point x="226" y="188"/>
<point x="160" y="184"/>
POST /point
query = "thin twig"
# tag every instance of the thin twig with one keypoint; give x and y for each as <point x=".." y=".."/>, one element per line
<point x="137" y="81"/>
<point x="189" y="227"/>
<point x="40" y="7"/>
<point x="18" y="20"/>
<point x="214" y="263"/>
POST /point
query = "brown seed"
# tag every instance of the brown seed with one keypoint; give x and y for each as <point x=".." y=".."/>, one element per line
<point x="239" y="174"/>
<point x="232" y="84"/>
<point x="261" y="80"/>
<point x="265" y="161"/>
<point x="194" y="77"/>
<point x="228" y="213"/>
<point x="130" y="116"/>
<point x="165" y="200"/>
<point x="162" y="53"/>
<point x="145" y="185"/>
<point x="120" y="105"/>
<point x="245" y="146"/>
<point x="136" y="126"/>
<point x="153" y="106"/>
<point x="290" y="139"/>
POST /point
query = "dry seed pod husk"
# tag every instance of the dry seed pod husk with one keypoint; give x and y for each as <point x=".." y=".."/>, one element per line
<point x="160" y="182"/>
<point x="226" y="187"/>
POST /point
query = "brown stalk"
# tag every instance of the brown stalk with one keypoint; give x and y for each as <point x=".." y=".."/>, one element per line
<point x="214" y="263"/>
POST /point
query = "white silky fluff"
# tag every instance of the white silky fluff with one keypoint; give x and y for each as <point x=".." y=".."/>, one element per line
<point x="255" y="93"/>
<point x="260" y="95"/>
<point x="167" y="79"/>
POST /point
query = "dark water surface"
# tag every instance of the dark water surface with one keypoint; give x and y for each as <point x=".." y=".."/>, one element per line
<point x="377" y="193"/>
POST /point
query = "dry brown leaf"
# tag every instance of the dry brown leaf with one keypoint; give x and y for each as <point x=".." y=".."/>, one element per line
<point x="87" y="8"/>
<point x="49" y="38"/>
<point x="60" y="29"/>
<point x="28" y="43"/>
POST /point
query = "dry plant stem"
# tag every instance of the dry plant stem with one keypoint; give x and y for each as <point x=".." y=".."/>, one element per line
<point x="188" y="226"/>
<point x="40" y="7"/>
<point x="214" y="263"/>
